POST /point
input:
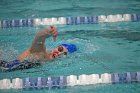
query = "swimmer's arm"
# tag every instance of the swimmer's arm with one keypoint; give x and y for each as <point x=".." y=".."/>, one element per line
<point x="38" y="44"/>
<point x="24" y="55"/>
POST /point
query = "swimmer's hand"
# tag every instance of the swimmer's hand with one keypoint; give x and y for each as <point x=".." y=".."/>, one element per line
<point x="54" y="32"/>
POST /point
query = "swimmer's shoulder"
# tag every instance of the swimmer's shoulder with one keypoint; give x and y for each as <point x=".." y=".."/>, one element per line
<point x="36" y="55"/>
<point x="24" y="55"/>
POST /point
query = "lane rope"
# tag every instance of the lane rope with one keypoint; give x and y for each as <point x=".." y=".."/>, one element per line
<point x="70" y="20"/>
<point x="67" y="81"/>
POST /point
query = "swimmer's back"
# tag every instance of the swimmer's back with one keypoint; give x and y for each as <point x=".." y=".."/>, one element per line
<point x="36" y="56"/>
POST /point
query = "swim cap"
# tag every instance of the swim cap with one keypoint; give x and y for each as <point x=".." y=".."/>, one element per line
<point x="70" y="47"/>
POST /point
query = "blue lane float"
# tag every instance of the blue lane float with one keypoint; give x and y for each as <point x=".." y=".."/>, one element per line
<point x="17" y="23"/>
<point x="70" y="20"/>
<point x="41" y="82"/>
<point x="135" y="17"/>
<point x="81" y="20"/>
<point x="69" y="81"/>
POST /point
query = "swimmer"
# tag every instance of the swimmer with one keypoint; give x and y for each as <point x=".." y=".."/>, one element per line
<point x="38" y="51"/>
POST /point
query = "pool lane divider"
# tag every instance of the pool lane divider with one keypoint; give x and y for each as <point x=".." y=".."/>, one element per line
<point x="70" y="20"/>
<point x="69" y="81"/>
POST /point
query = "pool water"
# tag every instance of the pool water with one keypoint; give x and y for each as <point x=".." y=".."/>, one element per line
<point x="102" y="48"/>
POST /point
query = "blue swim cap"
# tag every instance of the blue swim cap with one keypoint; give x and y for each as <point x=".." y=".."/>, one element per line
<point x="70" y="47"/>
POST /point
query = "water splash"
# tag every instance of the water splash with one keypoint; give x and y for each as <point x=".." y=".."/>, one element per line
<point x="8" y="54"/>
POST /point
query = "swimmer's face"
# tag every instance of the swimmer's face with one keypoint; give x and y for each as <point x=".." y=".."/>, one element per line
<point x="60" y="50"/>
